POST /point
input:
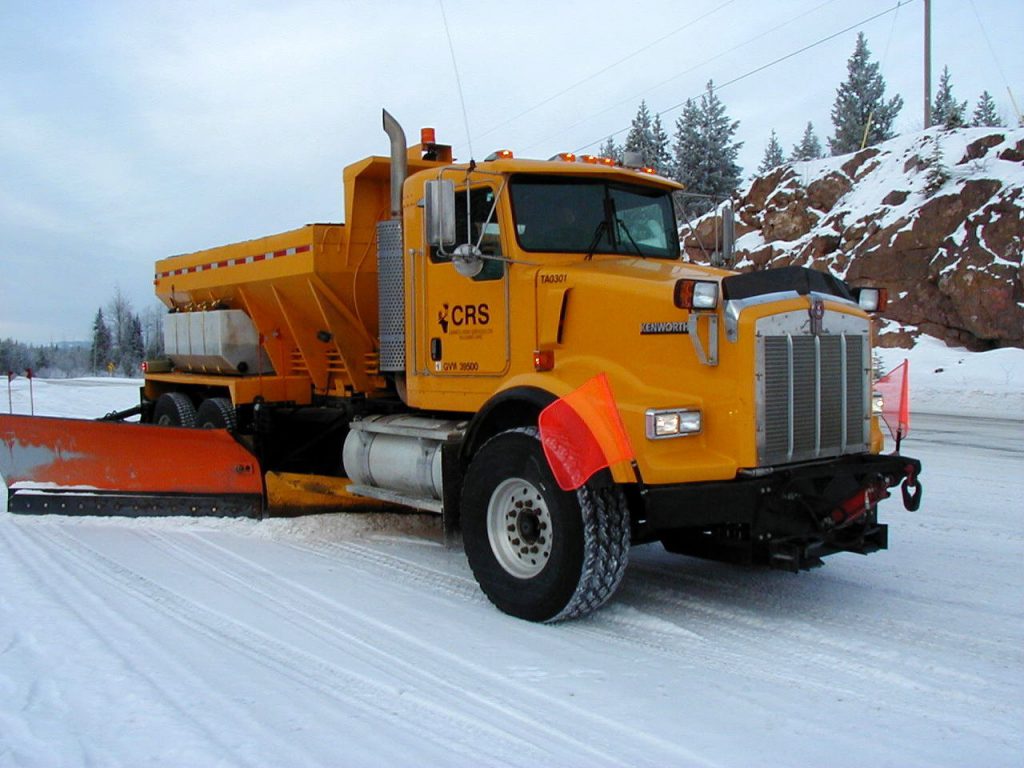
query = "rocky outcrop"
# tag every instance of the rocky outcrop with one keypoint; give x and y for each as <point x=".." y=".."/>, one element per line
<point x="937" y="218"/>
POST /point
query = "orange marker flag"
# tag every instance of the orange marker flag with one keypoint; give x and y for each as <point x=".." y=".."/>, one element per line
<point x="583" y="433"/>
<point x="895" y="390"/>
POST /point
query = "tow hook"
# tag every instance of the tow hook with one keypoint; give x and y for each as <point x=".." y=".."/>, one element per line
<point x="912" y="490"/>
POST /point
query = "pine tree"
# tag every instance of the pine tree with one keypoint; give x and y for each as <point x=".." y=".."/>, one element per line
<point x="809" y="147"/>
<point x="133" y="349"/>
<point x="611" y="149"/>
<point x="859" y="100"/>
<point x="647" y="137"/>
<point x="773" y="155"/>
<point x="101" y="352"/>
<point x="947" y="111"/>
<point x="985" y="115"/>
<point x="640" y="138"/>
<point x="704" y="151"/>
<point x="152" y="330"/>
<point x="662" y="158"/>
<point x="938" y="173"/>
<point x="686" y="146"/>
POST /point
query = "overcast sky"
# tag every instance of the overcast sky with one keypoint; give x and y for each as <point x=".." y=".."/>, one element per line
<point x="130" y="131"/>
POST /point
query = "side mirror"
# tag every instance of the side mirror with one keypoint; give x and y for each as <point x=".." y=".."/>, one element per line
<point x="439" y="211"/>
<point x="728" y="234"/>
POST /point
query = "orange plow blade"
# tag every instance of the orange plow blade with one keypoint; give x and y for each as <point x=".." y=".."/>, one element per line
<point x="77" y="467"/>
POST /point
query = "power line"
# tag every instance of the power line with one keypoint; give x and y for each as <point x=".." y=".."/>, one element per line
<point x="458" y="80"/>
<point x="678" y="75"/>
<point x="772" y="63"/>
<point x="614" y="64"/>
<point x="992" y="50"/>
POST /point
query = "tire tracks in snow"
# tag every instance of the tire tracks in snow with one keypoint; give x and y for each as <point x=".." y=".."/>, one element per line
<point x="345" y="688"/>
<point x="290" y="602"/>
<point x="507" y="707"/>
<point x="807" y="649"/>
<point x="628" y="628"/>
<point x="816" y="649"/>
<point x="106" y="626"/>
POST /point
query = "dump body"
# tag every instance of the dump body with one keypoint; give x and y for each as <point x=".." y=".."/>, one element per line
<point x="311" y="306"/>
<point x="310" y="293"/>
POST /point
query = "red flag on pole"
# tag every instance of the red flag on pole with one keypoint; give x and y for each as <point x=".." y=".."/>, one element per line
<point x="583" y="433"/>
<point x="895" y="390"/>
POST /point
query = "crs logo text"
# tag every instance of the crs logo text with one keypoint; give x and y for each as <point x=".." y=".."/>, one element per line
<point x="459" y="315"/>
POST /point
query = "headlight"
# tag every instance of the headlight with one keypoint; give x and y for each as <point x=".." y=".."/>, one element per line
<point x="676" y="422"/>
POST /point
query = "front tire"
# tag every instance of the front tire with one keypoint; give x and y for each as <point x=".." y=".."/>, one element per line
<point x="540" y="553"/>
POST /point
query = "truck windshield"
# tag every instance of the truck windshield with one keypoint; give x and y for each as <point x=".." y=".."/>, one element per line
<point x="593" y="216"/>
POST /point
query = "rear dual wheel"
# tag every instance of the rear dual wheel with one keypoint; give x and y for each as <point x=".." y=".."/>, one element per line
<point x="538" y="552"/>
<point x="175" y="409"/>
<point x="216" y="413"/>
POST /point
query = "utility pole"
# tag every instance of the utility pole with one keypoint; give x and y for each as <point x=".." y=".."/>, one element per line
<point x="927" y="64"/>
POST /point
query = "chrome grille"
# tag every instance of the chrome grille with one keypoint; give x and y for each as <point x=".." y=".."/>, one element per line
<point x="813" y="395"/>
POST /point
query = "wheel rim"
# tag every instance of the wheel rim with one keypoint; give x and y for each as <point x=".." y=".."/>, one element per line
<point x="519" y="528"/>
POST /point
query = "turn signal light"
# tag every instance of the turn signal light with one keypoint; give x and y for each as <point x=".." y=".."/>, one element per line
<point x="543" y="359"/>
<point x="696" y="294"/>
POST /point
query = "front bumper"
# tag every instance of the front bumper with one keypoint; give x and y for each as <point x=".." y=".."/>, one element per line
<point x="787" y="517"/>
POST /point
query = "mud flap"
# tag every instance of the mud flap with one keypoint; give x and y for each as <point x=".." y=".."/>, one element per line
<point x="72" y="466"/>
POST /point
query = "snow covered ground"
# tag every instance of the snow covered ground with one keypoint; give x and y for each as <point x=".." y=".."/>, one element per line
<point x="358" y="640"/>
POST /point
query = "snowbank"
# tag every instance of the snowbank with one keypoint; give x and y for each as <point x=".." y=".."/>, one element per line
<point x="952" y="380"/>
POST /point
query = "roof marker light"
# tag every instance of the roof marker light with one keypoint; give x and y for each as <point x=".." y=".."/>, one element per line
<point x="501" y="154"/>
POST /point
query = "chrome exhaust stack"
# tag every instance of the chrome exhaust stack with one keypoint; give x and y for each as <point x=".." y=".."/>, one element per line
<point x="399" y="162"/>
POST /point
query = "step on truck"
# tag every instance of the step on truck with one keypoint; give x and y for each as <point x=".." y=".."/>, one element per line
<point x="407" y="356"/>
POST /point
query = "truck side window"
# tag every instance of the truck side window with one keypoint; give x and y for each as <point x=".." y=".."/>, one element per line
<point x="481" y="200"/>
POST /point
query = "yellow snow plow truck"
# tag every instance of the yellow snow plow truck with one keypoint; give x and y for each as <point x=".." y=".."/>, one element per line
<point x="409" y="355"/>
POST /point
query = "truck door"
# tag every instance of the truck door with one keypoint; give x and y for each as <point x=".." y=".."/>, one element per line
<point x="467" y="324"/>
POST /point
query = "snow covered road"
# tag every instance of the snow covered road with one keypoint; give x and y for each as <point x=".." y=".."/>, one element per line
<point x="359" y="640"/>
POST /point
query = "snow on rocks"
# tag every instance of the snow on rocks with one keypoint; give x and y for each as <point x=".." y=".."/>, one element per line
<point x="936" y="217"/>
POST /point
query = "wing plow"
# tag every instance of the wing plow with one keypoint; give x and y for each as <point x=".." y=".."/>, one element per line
<point x="80" y="467"/>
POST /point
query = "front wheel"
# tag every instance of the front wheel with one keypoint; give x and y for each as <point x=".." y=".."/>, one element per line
<point x="540" y="553"/>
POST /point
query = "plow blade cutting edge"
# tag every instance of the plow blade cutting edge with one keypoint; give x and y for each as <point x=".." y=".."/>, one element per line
<point x="79" y="467"/>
